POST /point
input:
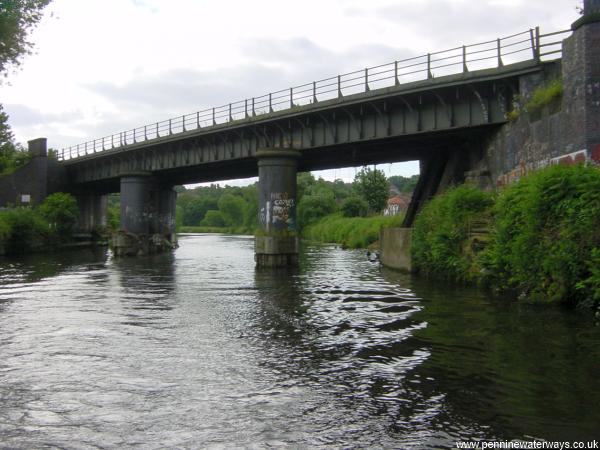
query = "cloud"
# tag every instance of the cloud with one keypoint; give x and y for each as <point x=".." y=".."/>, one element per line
<point x="446" y="23"/>
<point x="24" y="116"/>
<point x="269" y="65"/>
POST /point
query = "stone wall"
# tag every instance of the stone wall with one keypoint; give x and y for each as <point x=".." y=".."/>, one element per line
<point x="32" y="183"/>
<point x="564" y="131"/>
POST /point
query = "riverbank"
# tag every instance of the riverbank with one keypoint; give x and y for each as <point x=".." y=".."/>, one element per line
<point x="350" y="232"/>
<point x="538" y="238"/>
<point x="45" y="227"/>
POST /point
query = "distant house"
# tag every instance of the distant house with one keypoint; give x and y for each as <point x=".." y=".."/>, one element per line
<point x="397" y="204"/>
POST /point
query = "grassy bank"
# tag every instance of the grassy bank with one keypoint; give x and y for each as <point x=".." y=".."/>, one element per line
<point x="351" y="232"/>
<point x="543" y="242"/>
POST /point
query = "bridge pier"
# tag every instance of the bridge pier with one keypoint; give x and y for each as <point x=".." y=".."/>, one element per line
<point x="92" y="211"/>
<point x="276" y="243"/>
<point x="147" y="216"/>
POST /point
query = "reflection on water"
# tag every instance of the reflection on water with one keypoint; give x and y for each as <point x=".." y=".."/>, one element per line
<point x="199" y="349"/>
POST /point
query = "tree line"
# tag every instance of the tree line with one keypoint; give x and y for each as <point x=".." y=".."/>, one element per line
<point x="236" y="208"/>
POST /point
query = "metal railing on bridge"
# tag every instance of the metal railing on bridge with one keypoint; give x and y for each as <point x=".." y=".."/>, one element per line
<point x="525" y="46"/>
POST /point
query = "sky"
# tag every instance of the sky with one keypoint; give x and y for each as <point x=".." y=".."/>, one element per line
<point x="104" y="66"/>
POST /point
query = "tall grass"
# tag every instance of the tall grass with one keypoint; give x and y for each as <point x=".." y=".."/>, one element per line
<point x="351" y="232"/>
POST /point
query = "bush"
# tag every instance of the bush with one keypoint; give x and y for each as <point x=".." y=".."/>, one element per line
<point x="23" y="230"/>
<point x="546" y="236"/>
<point x="441" y="231"/>
<point x="61" y="212"/>
<point x="354" y="206"/>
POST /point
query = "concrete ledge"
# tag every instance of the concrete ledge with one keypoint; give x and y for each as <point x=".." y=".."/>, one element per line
<point x="394" y="248"/>
<point x="276" y="251"/>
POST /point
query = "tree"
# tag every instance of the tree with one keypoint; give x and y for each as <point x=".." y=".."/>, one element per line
<point x="315" y="205"/>
<point x="232" y="209"/>
<point x="304" y="181"/>
<point x="373" y="186"/>
<point x="61" y="212"/>
<point x="17" y="19"/>
<point x="404" y="184"/>
<point x="7" y="145"/>
<point x="213" y="219"/>
<point x="12" y="155"/>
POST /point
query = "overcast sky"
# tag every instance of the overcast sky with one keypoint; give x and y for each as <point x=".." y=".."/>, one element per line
<point x="103" y="66"/>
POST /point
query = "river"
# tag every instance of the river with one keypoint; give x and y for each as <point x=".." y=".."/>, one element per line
<point x="198" y="349"/>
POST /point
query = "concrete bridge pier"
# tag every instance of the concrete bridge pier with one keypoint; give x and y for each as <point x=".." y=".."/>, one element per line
<point x="276" y="243"/>
<point x="147" y="216"/>
<point x="164" y="223"/>
<point x="92" y="211"/>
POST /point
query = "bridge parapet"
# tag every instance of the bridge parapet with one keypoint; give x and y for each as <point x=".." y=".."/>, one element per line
<point x="529" y="45"/>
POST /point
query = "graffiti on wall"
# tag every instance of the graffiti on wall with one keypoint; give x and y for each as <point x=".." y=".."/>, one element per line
<point x="578" y="157"/>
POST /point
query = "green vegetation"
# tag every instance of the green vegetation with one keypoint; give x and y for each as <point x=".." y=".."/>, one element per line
<point x="545" y="95"/>
<point x="23" y="230"/>
<point x="12" y="156"/>
<point x="351" y="232"/>
<point x="27" y="229"/>
<point x="544" y="241"/>
<point x="404" y="184"/>
<point x="546" y="236"/>
<point x="17" y="19"/>
<point x="540" y="98"/>
<point x="327" y="211"/>
<point x="316" y="199"/>
<point x="61" y="212"/>
<point x="113" y="214"/>
<point x="221" y="209"/>
<point x="440" y="239"/>
<point x="355" y="206"/>
<point x="373" y="186"/>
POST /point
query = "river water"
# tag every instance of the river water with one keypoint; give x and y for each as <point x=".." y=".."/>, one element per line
<point x="197" y="349"/>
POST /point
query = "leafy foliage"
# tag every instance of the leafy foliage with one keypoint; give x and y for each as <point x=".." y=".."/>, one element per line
<point x="544" y="242"/>
<point x="355" y="206"/>
<point x="22" y="230"/>
<point x="314" y="206"/>
<point x="61" y="212"/>
<point x="113" y="215"/>
<point x="546" y="236"/>
<point x="17" y="19"/>
<point x="12" y="156"/>
<point x="441" y="231"/>
<point x="213" y="218"/>
<point x="373" y="186"/>
<point x="404" y="184"/>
